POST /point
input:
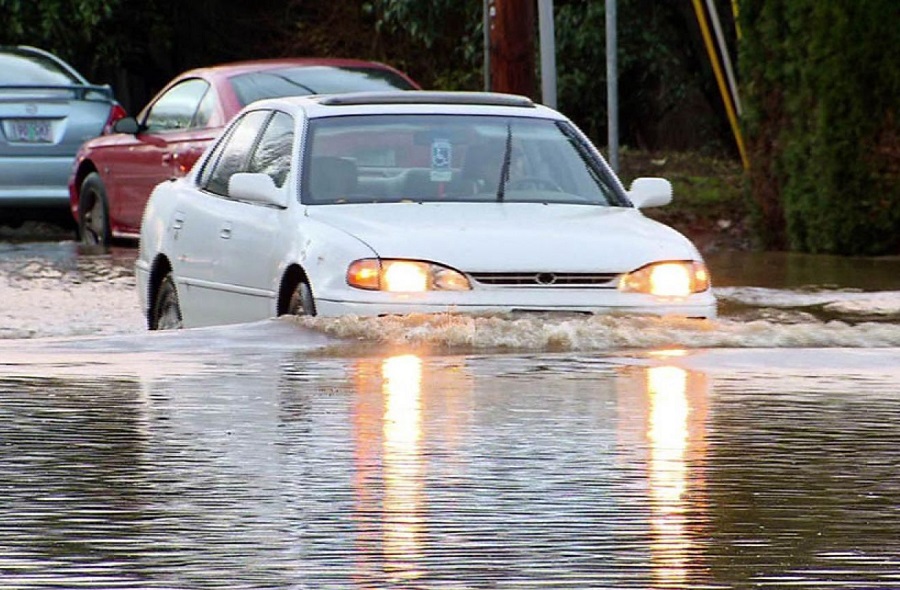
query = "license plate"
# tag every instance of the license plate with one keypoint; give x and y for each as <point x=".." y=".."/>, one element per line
<point x="30" y="130"/>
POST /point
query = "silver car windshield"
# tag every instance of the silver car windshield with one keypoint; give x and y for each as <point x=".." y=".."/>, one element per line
<point x="452" y="158"/>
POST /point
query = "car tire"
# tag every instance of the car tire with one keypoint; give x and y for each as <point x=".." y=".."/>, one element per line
<point x="165" y="312"/>
<point x="93" y="212"/>
<point x="302" y="302"/>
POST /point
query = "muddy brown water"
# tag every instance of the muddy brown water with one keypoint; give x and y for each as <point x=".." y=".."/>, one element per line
<point x="758" y="450"/>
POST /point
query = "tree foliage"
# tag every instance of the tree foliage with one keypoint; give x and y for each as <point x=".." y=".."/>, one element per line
<point x="822" y="83"/>
<point x="73" y="29"/>
<point x="441" y="39"/>
<point x="662" y="67"/>
<point x="137" y="45"/>
<point x="819" y="81"/>
<point x="667" y="98"/>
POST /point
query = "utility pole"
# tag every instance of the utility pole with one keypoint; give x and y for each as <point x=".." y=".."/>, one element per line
<point x="548" y="52"/>
<point x="487" y="19"/>
<point x="512" y="32"/>
<point x="612" y="85"/>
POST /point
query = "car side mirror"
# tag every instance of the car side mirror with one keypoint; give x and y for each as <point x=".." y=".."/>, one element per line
<point x="127" y="125"/>
<point x="650" y="192"/>
<point x="256" y="187"/>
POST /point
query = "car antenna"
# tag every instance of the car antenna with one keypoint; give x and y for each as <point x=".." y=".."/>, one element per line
<point x="504" y="168"/>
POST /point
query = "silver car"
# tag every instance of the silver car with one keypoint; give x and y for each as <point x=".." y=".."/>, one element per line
<point x="47" y="110"/>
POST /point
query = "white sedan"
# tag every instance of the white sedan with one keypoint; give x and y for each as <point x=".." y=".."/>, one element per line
<point x="409" y="202"/>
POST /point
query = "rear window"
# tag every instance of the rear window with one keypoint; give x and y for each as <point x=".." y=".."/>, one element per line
<point x="19" y="67"/>
<point x="305" y="80"/>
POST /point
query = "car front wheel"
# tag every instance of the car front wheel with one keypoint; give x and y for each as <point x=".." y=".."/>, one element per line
<point x="165" y="313"/>
<point x="93" y="212"/>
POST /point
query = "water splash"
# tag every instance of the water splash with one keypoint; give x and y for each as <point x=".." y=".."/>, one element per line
<point x="547" y="332"/>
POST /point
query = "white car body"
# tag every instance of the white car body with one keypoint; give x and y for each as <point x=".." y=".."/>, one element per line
<point x="234" y="258"/>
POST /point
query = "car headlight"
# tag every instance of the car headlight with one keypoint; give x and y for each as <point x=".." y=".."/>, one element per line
<point x="667" y="279"/>
<point x="406" y="276"/>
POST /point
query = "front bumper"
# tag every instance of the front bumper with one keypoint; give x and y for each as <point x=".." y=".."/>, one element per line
<point x="592" y="301"/>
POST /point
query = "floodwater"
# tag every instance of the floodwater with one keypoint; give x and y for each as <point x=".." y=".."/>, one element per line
<point x="758" y="450"/>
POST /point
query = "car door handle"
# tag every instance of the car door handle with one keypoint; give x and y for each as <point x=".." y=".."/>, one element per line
<point x="178" y="221"/>
<point x="225" y="231"/>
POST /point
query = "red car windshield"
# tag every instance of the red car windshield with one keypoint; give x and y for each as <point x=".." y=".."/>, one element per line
<point x="304" y="80"/>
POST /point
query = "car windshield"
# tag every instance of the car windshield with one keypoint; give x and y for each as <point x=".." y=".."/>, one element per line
<point x="392" y="158"/>
<point x="304" y="80"/>
<point x="23" y="68"/>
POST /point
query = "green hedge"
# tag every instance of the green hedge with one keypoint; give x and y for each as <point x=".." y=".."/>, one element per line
<point x="821" y="83"/>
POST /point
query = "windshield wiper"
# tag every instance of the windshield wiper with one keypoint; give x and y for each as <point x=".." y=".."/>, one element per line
<point x="504" y="168"/>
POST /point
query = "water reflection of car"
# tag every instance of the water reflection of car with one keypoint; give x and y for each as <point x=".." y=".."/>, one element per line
<point x="377" y="203"/>
<point x="47" y="110"/>
<point x="114" y="175"/>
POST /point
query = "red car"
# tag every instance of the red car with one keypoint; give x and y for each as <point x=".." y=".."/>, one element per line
<point x="114" y="174"/>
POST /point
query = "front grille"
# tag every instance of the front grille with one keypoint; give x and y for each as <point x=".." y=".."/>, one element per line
<point x="547" y="279"/>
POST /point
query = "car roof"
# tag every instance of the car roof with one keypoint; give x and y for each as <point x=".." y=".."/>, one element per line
<point x="25" y="49"/>
<point x="413" y="102"/>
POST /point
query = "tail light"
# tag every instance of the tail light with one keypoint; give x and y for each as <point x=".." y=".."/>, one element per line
<point x="115" y="113"/>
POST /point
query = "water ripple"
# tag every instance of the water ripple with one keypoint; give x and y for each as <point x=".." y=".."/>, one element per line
<point x="291" y="470"/>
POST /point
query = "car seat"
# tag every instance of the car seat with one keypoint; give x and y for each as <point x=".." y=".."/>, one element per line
<point x="331" y="178"/>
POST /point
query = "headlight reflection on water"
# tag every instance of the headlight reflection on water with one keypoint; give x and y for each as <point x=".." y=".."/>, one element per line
<point x="669" y="404"/>
<point x="668" y="435"/>
<point x="403" y="468"/>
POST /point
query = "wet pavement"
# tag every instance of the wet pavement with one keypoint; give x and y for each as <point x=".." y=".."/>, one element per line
<point x="759" y="450"/>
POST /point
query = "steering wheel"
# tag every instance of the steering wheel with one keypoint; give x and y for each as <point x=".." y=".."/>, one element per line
<point x="533" y="183"/>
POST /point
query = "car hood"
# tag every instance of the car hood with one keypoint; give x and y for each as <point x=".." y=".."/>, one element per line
<point x="517" y="236"/>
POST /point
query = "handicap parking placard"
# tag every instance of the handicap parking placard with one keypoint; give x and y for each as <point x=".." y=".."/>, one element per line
<point x="441" y="160"/>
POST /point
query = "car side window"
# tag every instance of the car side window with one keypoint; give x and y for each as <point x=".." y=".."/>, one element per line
<point x="175" y="109"/>
<point x="233" y="154"/>
<point x="210" y="164"/>
<point x="273" y="153"/>
<point x="205" y="110"/>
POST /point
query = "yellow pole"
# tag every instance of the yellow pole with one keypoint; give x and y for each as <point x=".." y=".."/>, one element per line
<point x="720" y="79"/>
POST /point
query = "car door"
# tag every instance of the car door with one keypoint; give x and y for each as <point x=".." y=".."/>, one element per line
<point x="251" y="236"/>
<point x="204" y="229"/>
<point x="172" y="124"/>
